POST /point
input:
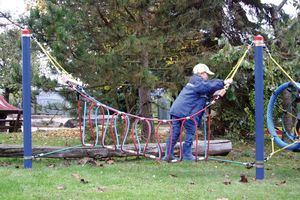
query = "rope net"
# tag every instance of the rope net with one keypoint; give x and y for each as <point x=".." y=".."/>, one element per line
<point x="117" y="130"/>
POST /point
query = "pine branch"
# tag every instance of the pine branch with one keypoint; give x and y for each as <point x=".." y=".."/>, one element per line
<point x="195" y="4"/>
<point x="106" y="21"/>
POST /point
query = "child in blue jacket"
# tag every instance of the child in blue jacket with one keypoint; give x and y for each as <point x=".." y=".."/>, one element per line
<point x="191" y="99"/>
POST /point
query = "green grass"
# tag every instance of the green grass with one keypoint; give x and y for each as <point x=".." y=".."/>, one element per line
<point x="148" y="179"/>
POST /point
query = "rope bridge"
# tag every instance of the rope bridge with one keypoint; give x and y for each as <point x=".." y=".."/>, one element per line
<point x="107" y="120"/>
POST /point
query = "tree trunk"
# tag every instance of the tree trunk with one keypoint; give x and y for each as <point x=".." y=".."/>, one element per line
<point x="6" y="94"/>
<point x="145" y="100"/>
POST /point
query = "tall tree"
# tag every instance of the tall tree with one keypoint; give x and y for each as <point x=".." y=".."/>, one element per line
<point x="130" y="47"/>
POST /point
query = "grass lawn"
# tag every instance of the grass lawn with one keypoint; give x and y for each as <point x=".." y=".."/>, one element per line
<point x="133" y="178"/>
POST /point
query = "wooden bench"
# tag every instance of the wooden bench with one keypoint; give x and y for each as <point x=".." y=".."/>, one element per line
<point x="12" y="125"/>
<point x="14" y="122"/>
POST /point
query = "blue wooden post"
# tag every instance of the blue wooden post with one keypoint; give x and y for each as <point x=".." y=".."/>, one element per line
<point x="26" y="84"/>
<point x="259" y="106"/>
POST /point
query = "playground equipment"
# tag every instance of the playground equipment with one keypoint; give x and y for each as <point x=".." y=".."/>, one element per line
<point x="289" y="138"/>
<point x="109" y="117"/>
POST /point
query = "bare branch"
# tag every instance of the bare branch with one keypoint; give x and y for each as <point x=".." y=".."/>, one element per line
<point x="279" y="7"/>
<point x="8" y="18"/>
<point x="130" y="14"/>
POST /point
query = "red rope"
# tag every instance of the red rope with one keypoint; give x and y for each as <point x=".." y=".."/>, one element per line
<point x="180" y="140"/>
<point x="197" y="136"/>
<point x="158" y="138"/>
<point x="148" y="138"/>
<point x="170" y="142"/>
<point x="208" y="135"/>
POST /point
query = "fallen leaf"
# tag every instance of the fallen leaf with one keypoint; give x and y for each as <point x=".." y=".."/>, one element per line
<point x="84" y="160"/>
<point x="210" y="190"/>
<point x="110" y="162"/>
<point x="51" y="165"/>
<point x="99" y="189"/>
<point x="227" y="182"/>
<point x="244" y="178"/>
<point x="61" y="187"/>
<point x="173" y="175"/>
<point x="281" y="183"/>
<point x="77" y="176"/>
<point x="4" y="164"/>
<point x="97" y="163"/>
<point x="83" y="181"/>
<point x="67" y="163"/>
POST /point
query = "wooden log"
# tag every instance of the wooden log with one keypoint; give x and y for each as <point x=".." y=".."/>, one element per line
<point x="217" y="147"/>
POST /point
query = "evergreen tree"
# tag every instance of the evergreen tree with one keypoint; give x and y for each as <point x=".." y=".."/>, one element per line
<point x="122" y="49"/>
<point x="10" y="56"/>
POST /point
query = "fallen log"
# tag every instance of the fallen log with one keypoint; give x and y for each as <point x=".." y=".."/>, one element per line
<point x="217" y="147"/>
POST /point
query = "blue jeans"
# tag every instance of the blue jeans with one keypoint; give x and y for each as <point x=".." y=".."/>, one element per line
<point x="190" y="128"/>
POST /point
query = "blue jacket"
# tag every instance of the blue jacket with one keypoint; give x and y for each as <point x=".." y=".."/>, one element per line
<point x="193" y="96"/>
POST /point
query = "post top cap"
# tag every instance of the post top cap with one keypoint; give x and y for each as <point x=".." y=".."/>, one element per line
<point x="258" y="38"/>
<point x="25" y="31"/>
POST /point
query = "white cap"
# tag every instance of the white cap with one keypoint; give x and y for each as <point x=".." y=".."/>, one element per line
<point x="199" y="68"/>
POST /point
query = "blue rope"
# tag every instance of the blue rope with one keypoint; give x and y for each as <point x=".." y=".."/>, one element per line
<point x="127" y="130"/>
<point x="96" y="123"/>
<point x="205" y="133"/>
<point x="116" y="130"/>
<point x="137" y="137"/>
<point x="84" y="123"/>
<point x="106" y="125"/>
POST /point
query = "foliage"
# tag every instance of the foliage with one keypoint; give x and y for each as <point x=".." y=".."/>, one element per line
<point x="11" y="72"/>
<point x="10" y="56"/>
<point x="238" y="122"/>
<point x="132" y="46"/>
<point x="111" y="37"/>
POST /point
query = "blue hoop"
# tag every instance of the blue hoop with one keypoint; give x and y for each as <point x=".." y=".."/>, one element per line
<point x="270" y="122"/>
